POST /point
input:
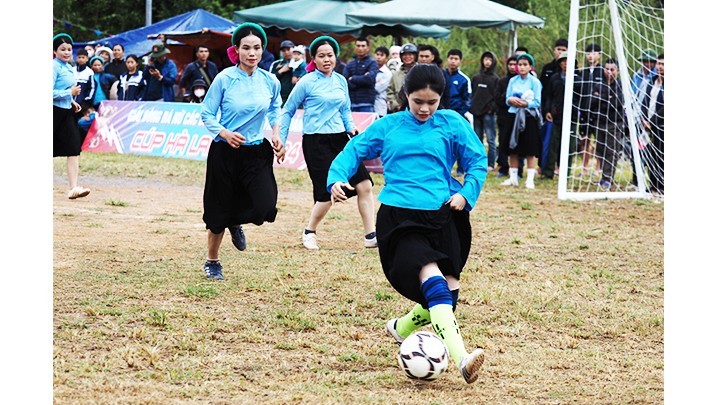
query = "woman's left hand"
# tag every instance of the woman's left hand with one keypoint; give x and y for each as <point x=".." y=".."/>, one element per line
<point x="279" y="149"/>
<point x="457" y="202"/>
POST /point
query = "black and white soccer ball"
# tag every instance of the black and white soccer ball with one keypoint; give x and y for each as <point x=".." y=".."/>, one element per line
<point x="423" y="356"/>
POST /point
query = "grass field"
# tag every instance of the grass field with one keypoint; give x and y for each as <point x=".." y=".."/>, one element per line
<point x="566" y="298"/>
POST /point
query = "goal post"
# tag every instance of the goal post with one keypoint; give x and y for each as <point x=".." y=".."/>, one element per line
<point x="623" y="31"/>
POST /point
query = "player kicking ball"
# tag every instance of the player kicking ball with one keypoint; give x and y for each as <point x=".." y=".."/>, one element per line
<point x="423" y="223"/>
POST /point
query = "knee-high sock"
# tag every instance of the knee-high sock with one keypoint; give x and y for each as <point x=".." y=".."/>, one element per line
<point x="417" y="317"/>
<point x="440" y="303"/>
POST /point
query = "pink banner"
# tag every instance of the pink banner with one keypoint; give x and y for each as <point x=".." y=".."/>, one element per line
<point x="175" y="130"/>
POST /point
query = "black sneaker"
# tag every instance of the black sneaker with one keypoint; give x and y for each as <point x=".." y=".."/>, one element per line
<point x="238" y="237"/>
<point x="213" y="269"/>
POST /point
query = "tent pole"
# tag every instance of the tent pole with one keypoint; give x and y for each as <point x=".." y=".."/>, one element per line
<point x="148" y="12"/>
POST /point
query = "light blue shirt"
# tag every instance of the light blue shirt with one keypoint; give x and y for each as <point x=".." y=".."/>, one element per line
<point x="417" y="159"/>
<point x="326" y="102"/>
<point x="517" y="86"/>
<point x="63" y="80"/>
<point x="243" y="102"/>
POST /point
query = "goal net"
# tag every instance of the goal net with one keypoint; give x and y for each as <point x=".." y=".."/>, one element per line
<point x="613" y="134"/>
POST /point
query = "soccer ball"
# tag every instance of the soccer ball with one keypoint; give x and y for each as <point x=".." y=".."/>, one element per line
<point x="423" y="356"/>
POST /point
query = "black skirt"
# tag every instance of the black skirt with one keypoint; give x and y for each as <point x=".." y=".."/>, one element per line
<point x="66" y="133"/>
<point x="320" y="150"/>
<point x="240" y="186"/>
<point x="529" y="141"/>
<point x="409" y="239"/>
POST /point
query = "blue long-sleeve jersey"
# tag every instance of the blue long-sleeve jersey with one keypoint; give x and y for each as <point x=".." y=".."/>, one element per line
<point x="418" y="159"/>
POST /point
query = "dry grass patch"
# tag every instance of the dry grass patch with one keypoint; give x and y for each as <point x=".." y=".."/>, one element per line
<point x="566" y="299"/>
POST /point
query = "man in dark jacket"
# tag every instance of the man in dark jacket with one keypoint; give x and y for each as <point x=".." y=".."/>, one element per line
<point x="547" y="72"/>
<point x="201" y="69"/>
<point x="653" y="113"/>
<point x="506" y="120"/>
<point x="607" y="101"/>
<point x="281" y="69"/>
<point x="484" y="85"/>
<point x="360" y="73"/>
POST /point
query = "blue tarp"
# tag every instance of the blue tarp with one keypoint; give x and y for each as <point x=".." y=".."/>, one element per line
<point x="136" y="41"/>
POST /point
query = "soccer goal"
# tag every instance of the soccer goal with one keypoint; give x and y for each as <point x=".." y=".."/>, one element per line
<point x="630" y="33"/>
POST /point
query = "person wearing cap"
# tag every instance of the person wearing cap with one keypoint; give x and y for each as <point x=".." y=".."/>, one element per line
<point x="327" y="124"/>
<point x="590" y="75"/>
<point x="240" y="186"/>
<point x="297" y="64"/>
<point x="196" y="92"/>
<point x="282" y="70"/>
<point x="116" y="66"/>
<point x="395" y="95"/>
<point x="105" y="53"/>
<point x="66" y="135"/>
<point x="553" y="111"/>
<point x="653" y="120"/>
<point x="202" y="68"/>
<point x="647" y="72"/>
<point x="506" y="120"/>
<point x="160" y="75"/>
<point x="524" y="97"/>
<point x="394" y="61"/>
<point x="360" y="73"/>
<point x="101" y="83"/>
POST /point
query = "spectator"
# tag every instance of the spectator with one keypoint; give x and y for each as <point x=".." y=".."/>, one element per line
<point x="607" y="101"/>
<point x="653" y="111"/>
<point x="553" y="111"/>
<point x="360" y="73"/>
<point x="524" y="96"/>
<point x="457" y="84"/>
<point x="90" y="51"/>
<point x="506" y="120"/>
<point x="589" y="76"/>
<point x="266" y="61"/>
<point x="87" y="116"/>
<point x="105" y="53"/>
<point x="66" y="136"/>
<point x="132" y="83"/>
<point x="116" y="66"/>
<point x="160" y="75"/>
<point x="522" y="50"/>
<point x="281" y="69"/>
<point x="327" y="121"/>
<point x="394" y="62"/>
<point x="198" y="91"/>
<point x="395" y="94"/>
<point x="202" y="68"/>
<point x="646" y="74"/>
<point x="547" y="71"/>
<point x="429" y="54"/>
<point x="483" y="108"/>
<point x="298" y="64"/>
<point x="83" y="76"/>
<point x="240" y="186"/>
<point x="382" y="81"/>
<point x="101" y="83"/>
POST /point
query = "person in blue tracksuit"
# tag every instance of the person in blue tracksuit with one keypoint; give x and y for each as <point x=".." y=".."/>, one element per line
<point x="240" y="185"/>
<point x="327" y="121"/>
<point x="423" y="225"/>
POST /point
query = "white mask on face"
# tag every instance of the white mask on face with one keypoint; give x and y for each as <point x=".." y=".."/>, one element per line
<point x="199" y="92"/>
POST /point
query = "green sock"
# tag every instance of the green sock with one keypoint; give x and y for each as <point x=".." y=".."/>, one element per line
<point x="417" y="317"/>
<point x="446" y="326"/>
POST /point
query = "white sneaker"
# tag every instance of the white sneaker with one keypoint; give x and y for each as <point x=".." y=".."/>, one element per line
<point x="529" y="184"/>
<point x="509" y="182"/>
<point x="310" y="241"/>
<point x="390" y="327"/>
<point x="78" y="192"/>
<point x="370" y="243"/>
<point x="470" y="365"/>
